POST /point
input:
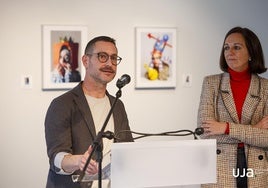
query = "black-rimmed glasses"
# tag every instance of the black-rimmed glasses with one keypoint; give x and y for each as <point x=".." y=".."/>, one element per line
<point x="103" y="57"/>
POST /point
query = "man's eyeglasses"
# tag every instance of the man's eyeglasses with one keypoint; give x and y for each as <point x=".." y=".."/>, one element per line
<point x="103" y="57"/>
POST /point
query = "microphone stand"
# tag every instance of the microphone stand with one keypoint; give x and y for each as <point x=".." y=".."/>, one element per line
<point x="97" y="147"/>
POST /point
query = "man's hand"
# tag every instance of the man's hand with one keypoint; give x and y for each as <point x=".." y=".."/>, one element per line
<point x="92" y="167"/>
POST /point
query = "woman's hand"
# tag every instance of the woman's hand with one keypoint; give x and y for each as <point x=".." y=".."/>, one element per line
<point x="212" y="127"/>
<point x="263" y="124"/>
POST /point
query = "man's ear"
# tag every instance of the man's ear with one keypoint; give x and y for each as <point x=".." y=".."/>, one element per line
<point x="85" y="61"/>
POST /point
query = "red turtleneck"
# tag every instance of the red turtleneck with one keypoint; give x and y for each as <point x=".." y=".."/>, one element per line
<point x="239" y="82"/>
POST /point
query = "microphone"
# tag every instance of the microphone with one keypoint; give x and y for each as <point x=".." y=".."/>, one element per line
<point x="124" y="80"/>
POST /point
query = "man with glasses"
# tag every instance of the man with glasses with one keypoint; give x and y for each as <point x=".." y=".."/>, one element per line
<point x="74" y="118"/>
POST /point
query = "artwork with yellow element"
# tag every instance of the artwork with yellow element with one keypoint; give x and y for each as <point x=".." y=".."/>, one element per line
<point x="156" y="58"/>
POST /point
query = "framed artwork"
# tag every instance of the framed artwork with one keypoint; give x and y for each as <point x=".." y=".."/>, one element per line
<point x="62" y="52"/>
<point x="155" y="57"/>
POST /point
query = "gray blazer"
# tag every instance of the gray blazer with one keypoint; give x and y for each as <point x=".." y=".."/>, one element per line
<point x="69" y="127"/>
<point x="217" y="103"/>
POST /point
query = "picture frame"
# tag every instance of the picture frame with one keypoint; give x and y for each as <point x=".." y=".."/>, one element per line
<point x="155" y="57"/>
<point x="62" y="52"/>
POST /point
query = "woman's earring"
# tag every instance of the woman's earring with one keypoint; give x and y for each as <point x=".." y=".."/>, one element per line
<point x="249" y="59"/>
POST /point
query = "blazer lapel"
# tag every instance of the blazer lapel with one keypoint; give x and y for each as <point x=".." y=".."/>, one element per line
<point x="227" y="97"/>
<point x="252" y="100"/>
<point x="82" y="104"/>
<point x="250" y="104"/>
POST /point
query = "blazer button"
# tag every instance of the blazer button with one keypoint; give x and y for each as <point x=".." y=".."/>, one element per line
<point x="260" y="157"/>
<point x="218" y="151"/>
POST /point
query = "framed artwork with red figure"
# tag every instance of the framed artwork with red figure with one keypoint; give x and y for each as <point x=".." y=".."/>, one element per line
<point x="155" y="57"/>
<point x="62" y="52"/>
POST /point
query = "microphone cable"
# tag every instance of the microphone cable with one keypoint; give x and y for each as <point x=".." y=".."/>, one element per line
<point x="184" y="132"/>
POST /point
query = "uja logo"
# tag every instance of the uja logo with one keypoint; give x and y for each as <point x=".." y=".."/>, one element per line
<point x="249" y="172"/>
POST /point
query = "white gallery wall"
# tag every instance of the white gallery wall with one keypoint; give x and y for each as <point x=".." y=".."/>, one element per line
<point x="201" y="26"/>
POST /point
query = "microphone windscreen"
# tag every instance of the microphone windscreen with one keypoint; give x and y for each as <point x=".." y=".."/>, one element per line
<point x="123" y="80"/>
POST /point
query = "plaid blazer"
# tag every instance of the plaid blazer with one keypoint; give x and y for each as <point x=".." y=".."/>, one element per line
<point x="217" y="103"/>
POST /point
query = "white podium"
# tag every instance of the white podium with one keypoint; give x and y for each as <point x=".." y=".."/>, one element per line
<point x="163" y="163"/>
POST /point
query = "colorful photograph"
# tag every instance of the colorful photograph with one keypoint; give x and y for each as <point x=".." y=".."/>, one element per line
<point x="62" y="45"/>
<point x="156" y="58"/>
